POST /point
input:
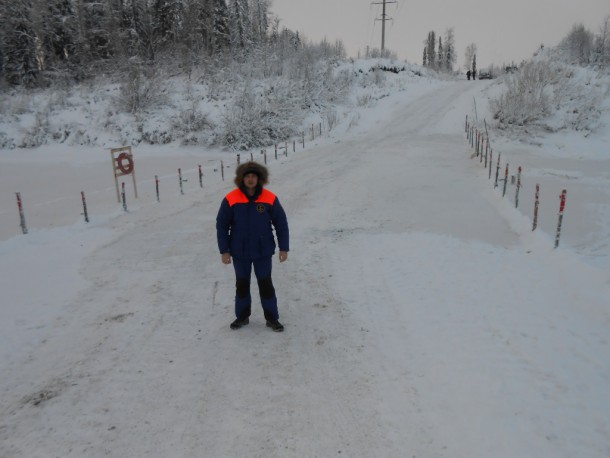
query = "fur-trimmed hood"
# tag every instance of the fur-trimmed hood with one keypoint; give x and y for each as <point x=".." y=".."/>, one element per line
<point x="251" y="167"/>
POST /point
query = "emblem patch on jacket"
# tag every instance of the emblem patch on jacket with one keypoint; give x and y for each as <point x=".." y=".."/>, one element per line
<point x="260" y="208"/>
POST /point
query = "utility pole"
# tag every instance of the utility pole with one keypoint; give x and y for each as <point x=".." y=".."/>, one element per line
<point x="383" y="19"/>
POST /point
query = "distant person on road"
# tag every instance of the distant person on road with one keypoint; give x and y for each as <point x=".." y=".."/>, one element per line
<point x="474" y="74"/>
<point x="245" y="236"/>
<point x="468" y="75"/>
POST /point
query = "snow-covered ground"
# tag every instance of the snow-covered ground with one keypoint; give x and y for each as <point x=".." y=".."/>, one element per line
<point x="423" y="316"/>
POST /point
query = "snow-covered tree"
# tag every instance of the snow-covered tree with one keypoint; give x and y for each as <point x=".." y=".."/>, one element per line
<point x="440" y="55"/>
<point x="167" y="20"/>
<point x="260" y="19"/>
<point x="449" y="50"/>
<point x="430" y="45"/>
<point x="144" y="27"/>
<point x="602" y="44"/>
<point x="21" y="47"/>
<point x="240" y="24"/>
<point x="94" y="40"/>
<point x="59" y="30"/>
<point x="578" y="45"/>
<point x="470" y="56"/>
<point x="220" y="37"/>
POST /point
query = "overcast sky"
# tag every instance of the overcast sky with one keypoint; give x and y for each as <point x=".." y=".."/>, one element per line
<point x="504" y="31"/>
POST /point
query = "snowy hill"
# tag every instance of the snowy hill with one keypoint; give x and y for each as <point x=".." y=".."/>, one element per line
<point x="423" y="316"/>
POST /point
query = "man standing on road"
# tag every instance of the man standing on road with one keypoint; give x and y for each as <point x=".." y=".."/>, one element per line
<point x="245" y="236"/>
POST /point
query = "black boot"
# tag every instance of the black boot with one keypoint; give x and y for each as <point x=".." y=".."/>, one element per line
<point x="239" y="322"/>
<point x="275" y="325"/>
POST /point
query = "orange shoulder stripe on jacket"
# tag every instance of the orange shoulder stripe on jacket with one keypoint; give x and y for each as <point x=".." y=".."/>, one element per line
<point x="238" y="197"/>
<point x="266" y="197"/>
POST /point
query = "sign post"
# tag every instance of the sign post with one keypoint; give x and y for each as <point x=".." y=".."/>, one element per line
<point x="123" y="164"/>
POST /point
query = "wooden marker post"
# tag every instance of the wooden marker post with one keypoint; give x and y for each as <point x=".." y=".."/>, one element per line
<point x="85" y="214"/>
<point x="536" y="205"/>
<point x="562" y="205"/>
<point x="24" y="228"/>
<point x="505" y="181"/>
<point x="518" y="187"/>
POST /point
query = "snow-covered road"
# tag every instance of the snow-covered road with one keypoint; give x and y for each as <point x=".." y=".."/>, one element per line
<point x="422" y="320"/>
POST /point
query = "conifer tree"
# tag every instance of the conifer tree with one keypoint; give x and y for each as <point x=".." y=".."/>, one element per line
<point x="240" y="25"/>
<point x="440" y="63"/>
<point x="21" y="47"/>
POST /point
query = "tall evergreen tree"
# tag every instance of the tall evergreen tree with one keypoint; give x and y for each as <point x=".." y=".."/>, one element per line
<point x="167" y="20"/>
<point x="440" y="63"/>
<point x="144" y="28"/>
<point x="240" y="25"/>
<point x="469" y="55"/>
<point x="260" y="20"/>
<point x="431" y="47"/>
<point x="21" y="47"/>
<point x="450" y="54"/>
<point x="94" y="31"/>
<point x="221" y="34"/>
<point x="59" y="30"/>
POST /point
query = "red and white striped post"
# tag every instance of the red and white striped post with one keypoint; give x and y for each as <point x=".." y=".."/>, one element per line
<point x="562" y="205"/>
<point x="222" y="170"/>
<point x="24" y="228"/>
<point x="157" y="188"/>
<point x="518" y="187"/>
<point x="200" y="177"/>
<point x="536" y="205"/>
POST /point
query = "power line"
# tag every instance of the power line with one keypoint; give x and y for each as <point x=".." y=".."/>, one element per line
<point x="383" y="20"/>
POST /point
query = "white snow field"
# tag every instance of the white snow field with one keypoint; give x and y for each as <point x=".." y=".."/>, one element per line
<point x="423" y="316"/>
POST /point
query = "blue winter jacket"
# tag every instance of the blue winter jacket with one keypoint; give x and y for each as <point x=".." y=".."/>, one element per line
<point x="244" y="225"/>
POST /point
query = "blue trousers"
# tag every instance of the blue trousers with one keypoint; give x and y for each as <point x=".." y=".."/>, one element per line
<point x="243" y="299"/>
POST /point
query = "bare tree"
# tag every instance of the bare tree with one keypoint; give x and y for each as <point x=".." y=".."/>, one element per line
<point x="602" y="43"/>
<point x="578" y="45"/>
